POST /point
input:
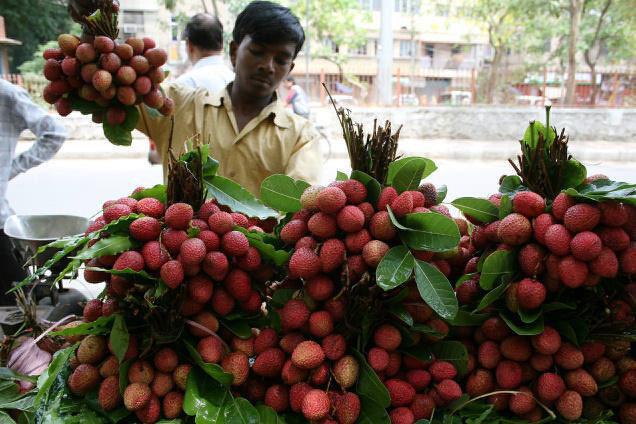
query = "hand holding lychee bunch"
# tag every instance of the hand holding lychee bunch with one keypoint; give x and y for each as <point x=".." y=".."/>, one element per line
<point x="101" y="76"/>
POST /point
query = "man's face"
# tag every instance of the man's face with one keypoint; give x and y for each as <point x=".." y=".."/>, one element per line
<point x="260" y="68"/>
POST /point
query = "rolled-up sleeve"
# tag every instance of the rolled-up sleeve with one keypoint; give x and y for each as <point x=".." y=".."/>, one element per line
<point x="306" y="161"/>
<point x="49" y="132"/>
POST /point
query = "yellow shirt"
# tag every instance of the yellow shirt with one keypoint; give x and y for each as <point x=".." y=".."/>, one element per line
<point x="274" y="142"/>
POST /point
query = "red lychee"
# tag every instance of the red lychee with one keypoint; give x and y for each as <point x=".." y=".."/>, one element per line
<point x="582" y="217"/>
<point x="387" y="337"/>
<point x="322" y="225"/>
<point x="304" y="263"/>
<point x="514" y="229"/>
<point x="558" y="239"/>
<point x="331" y="199"/>
<point x="528" y="204"/>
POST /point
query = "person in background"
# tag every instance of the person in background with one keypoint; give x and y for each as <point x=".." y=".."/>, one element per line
<point x="247" y="128"/>
<point x="204" y="43"/>
<point x="297" y="98"/>
<point x="18" y="113"/>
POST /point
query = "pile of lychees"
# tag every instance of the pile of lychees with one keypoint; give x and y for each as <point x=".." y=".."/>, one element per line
<point x="109" y="73"/>
<point x="155" y="385"/>
<point x="573" y="381"/>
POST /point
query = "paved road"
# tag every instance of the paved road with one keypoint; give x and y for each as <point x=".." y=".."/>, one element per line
<point x="80" y="186"/>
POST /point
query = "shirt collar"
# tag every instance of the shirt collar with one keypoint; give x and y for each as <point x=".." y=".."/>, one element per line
<point x="275" y="108"/>
<point x="215" y="59"/>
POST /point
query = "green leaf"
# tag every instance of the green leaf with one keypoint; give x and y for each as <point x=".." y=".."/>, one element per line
<point x="7" y="374"/>
<point x="85" y="107"/>
<point x="282" y="193"/>
<point x="428" y="231"/>
<point x="281" y="296"/>
<point x="467" y="318"/>
<point x="267" y="415"/>
<point x="205" y="398"/>
<point x="531" y="136"/>
<point x="442" y="191"/>
<point x="123" y="374"/>
<point x="511" y="184"/>
<point x="576" y="331"/>
<point x="425" y="329"/>
<point x="157" y="192"/>
<point x="369" y="385"/>
<point x="268" y="251"/>
<point x="128" y="274"/>
<point x="407" y="173"/>
<point x="399" y="311"/>
<point x="557" y="306"/>
<point x="240" y="328"/>
<point x="228" y="193"/>
<point x="498" y="268"/>
<point x="47" y="378"/>
<point x="371" y="412"/>
<point x="240" y="411"/>
<point x="132" y="117"/>
<point x="341" y="176"/>
<point x="505" y="207"/>
<point x="453" y="352"/>
<point x="395" y="268"/>
<point x="492" y="296"/>
<point x="117" y="134"/>
<point x="528" y="317"/>
<point x="523" y="329"/>
<point x="112" y="245"/>
<point x="421" y="352"/>
<point x="213" y="370"/>
<point x="119" y="337"/>
<point x="574" y="173"/>
<point x="100" y="326"/>
<point x="480" y="209"/>
<point x="373" y="186"/>
<point x="435" y="289"/>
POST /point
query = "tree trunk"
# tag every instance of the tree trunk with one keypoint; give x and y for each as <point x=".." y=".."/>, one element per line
<point x="576" y="8"/>
<point x="491" y="85"/>
<point x="595" y="87"/>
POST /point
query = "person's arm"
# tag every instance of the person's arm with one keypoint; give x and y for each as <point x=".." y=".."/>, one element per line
<point x="291" y="94"/>
<point x="49" y="132"/>
<point x="306" y="162"/>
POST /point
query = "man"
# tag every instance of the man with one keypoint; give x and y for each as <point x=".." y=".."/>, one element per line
<point x="248" y="129"/>
<point x="204" y="43"/>
<point x="297" y="98"/>
<point x="18" y="113"/>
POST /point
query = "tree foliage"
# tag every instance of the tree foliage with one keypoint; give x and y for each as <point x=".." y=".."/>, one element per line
<point x="33" y="22"/>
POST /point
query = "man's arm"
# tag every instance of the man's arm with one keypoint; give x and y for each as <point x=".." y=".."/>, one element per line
<point x="49" y="133"/>
<point x="306" y="162"/>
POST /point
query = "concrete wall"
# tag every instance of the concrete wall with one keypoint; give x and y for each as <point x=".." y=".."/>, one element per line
<point x="491" y="123"/>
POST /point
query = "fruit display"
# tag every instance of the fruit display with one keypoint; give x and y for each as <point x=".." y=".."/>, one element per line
<point x="100" y="75"/>
<point x="359" y="301"/>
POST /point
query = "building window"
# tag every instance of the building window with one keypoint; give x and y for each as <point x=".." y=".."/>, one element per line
<point x="174" y="28"/>
<point x="429" y="50"/>
<point x="401" y="6"/>
<point x="362" y="50"/>
<point x="332" y="45"/>
<point x="133" y="23"/>
<point x="406" y="48"/>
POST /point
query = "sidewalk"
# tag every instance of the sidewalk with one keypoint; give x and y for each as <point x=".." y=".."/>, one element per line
<point x="86" y="141"/>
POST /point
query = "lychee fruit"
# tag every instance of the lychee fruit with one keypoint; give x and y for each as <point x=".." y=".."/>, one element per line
<point x="304" y="263"/>
<point x="541" y="224"/>
<point x="92" y="310"/>
<point x="270" y="362"/>
<point x="627" y="383"/>
<point x="570" y="405"/>
<point x="606" y="264"/>
<point x="331" y="200"/>
<point x="172" y="274"/>
<point x="145" y="228"/>
<point x="332" y="255"/>
<point x="402" y="415"/>
<point x="308" y="355"/>
<point x="350" y="219"/>
<point x="316" y="405"/>
<point x="172" y="405"/>
<point x="514" y="229"/>
<point x="569" y="357"/>
<point x="548" y="342"/>
<point x="488" y="355"/>
<point x="586" y="246"/>
<point x="179" y="215"/>
<point x="84" y="378"/>
<point x="322" y="225"/>
<point x="238" y="284"/>
<point x="582" y="217"/>
<point x="558" y="239"/>
<point x="237" y="364"/>
<point x="137" y="396"/>
<point x="522" y="403"/>
<point x="581" y="382"/>
<point x="373" y="252"/>
<point x="387" y="337"/>
<point x="221" y="222"/>
<point x="222" y="302"/>
<point x="572" y="272"/>
<point x="345" y="371"/>
<point x="108" y="395"/>
<point x="508" y="375"/>
<point x="531" y="259"/>
<point x="530" y="293"/>
<point x="211" y="349"/>
<point x="161" y="384"/>
<point x="562" y="202"/>
<point x="402" y="205"/>
<point x="613" y="214"/>
<point x="401" y="392"/>
<point x="381" y="226"/>
<point x="235" y="243"/>
<point x="387" y="195"/>
<point x="293" y="231"/>
<point x="216" y="265"/>
<point x="141" y="372"/>
<point x="91" y="350"/>
<point x="448" y="390"/>
<point x="614" y="238"/>
<point x="528" y="204"/>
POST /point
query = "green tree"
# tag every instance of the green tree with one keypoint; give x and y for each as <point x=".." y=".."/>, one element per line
<point x="33" y="22"/>
<point x="607" y="35"/>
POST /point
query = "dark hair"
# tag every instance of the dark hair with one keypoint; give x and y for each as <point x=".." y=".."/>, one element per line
<point x="291" y="79"/>
<point x="204" y="31"/>
<point x="269" y="23"/>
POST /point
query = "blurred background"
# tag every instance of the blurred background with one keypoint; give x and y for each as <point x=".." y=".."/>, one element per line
<point x="463" y="77"/>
